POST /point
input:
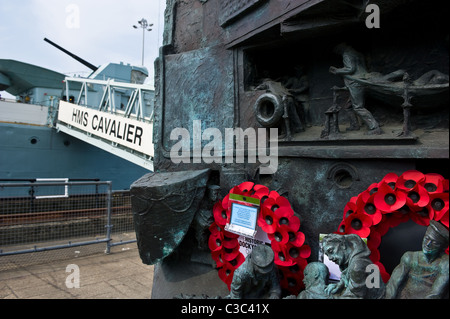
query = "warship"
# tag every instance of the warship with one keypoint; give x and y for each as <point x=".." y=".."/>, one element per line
<point x="31" y="145"/>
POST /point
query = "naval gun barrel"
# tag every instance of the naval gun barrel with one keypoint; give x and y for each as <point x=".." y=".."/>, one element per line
<point x="89" y="65"/>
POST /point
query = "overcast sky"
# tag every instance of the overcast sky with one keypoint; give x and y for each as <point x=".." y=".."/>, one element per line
<point x="99" y="31"/>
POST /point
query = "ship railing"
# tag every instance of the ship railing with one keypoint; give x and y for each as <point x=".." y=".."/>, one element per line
<point x="139" y="97"/>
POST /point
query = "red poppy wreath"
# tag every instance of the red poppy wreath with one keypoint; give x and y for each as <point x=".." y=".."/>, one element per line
<point x="394" y="200"/>
<point x="277" y="219"/>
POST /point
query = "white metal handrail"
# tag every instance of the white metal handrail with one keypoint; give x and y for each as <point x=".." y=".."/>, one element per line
<point x="133" y="92"/>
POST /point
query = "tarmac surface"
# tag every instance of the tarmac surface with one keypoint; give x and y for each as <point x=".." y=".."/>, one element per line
<point x="117" y="275"/>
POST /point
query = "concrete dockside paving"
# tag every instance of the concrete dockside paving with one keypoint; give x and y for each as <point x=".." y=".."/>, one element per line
<point x="117" y="275"/>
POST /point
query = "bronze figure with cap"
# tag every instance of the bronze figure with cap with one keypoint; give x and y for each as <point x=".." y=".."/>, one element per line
<point x="353" y="257"/>
<point x="257" y="277"/>
<point x="423" y="274"/>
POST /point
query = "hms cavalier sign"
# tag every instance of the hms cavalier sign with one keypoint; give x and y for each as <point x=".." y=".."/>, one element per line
<point x="127" y="132"/>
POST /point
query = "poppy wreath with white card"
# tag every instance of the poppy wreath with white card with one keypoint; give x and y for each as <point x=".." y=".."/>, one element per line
<point x="277" y="220"/>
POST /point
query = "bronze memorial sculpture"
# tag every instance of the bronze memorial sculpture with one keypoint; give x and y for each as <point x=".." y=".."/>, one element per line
<point x="241" y="84"/>
<point x="285" y="107"/>
<point x="423" y="274"/>
<point x="316" y="275"/>
<point x="256" y="277"/>
<point x="352" y="255"/>
<point x="354" y="66"/>
<point x="204" y="217"/>
<point x="360" y="82"/>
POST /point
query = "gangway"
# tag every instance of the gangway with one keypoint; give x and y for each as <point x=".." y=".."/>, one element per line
<point x="119" y="120"/>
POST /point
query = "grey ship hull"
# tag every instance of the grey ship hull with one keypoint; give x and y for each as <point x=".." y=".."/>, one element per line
<point x="32" y="151"/>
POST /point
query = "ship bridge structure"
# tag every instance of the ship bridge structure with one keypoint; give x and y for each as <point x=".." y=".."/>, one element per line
<point x="119" y="120"/>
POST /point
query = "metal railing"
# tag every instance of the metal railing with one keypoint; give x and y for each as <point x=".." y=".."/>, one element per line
<point x="127" y="99"/>
<point x="49" y="215"/>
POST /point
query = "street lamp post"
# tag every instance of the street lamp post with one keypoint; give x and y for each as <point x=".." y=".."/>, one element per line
<point x="145" y="27"/>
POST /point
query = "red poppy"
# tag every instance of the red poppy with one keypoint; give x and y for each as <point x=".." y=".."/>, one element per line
<point x="225" y="201"/>
<point x="374" y="255"/>
<point x="434" y="183"/>
<point x="245" y="188"/>
<point x="267" y="220"/>
<point x="383" y="227"/>
<point x="214" y="228"/>
<point x="281" y="253"/>
<point x="291" y="280"/>
<point x="296" y="238"/>
<point x="444" y="220"/>
<point x="374" y="240"/>
<point x="439" y="204"/>
<point x="236" y="190"/>
<point x="282" y="201"/>
<point x="237" y="261"/>
<point x="390" y="179"/>
<point x="445" y="185"/>
<point x="417" y="197"/>
<point x="226" y="274"/>
<point x="341" y="228"/>
<point x="372" y="188"/>
<point x="350" y="207"/>
<point x="273" y="209"/>
<point x="388" y="200"/>
<point x="274" y="202"/>
<point x="289" y="255"/>
<point x="217" y="257"/>
<point x="227" y="267"/>
<point x="398" y="217"/>
<point x="215" y="241"/>
<point x="286" y="217"/>
<point x="280" y="235"/>
<point x="261" y="192"/>
<point x="230" y="253"/>
<point x="409" y="179"/>
<point x="303" y="261"/>
<point x="229" y="234"/>
<point x="259" y="187"/>
<point x="421" y="215"/>
<point x="297" y="254"/>
<point x="365" y="204"/>
<point x="274" y="194"/>
<point x="363" y="196"/>
<point x="284" y="234"/>
<point x="359" y="224"/>
<point x="221" y="216"/>
<point x="229" y="242"/>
